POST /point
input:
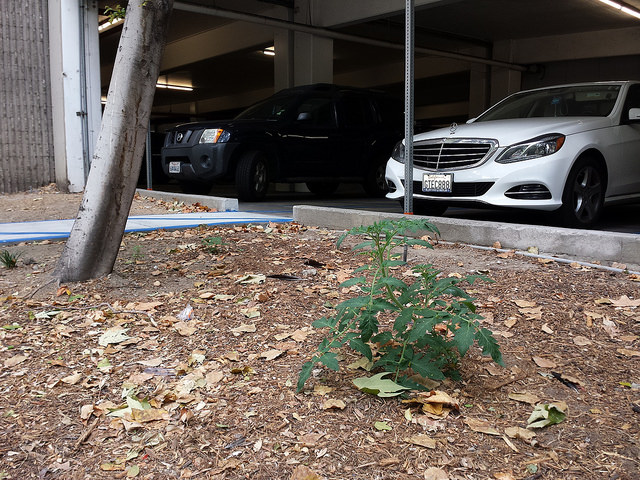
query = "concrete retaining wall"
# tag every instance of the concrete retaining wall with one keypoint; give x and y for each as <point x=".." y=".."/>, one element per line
<point x="583" y="244"/>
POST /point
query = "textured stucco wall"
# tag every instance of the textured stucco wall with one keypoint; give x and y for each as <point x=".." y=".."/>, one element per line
<point x="26" y="140"/>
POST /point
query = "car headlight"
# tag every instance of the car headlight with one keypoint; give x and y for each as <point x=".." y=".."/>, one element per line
<point x="214" y="135"/>
<point x="534" y="148"/>
<point x="398" y="152"/>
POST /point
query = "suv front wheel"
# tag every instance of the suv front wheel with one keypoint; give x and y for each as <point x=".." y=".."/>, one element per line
<point x="252" y="176"/>
<point x="375" y="183"/>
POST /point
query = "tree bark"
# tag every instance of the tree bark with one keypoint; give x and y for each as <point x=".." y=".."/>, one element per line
<point x="96" y="235"/>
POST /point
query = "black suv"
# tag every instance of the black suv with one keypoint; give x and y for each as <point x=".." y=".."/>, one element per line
<point x="319" y="134"/>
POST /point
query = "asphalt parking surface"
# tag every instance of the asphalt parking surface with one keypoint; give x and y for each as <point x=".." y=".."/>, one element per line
<point x="620" y="218"/>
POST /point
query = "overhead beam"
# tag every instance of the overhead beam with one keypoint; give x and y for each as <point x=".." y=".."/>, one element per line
<point x="333" y="13"/>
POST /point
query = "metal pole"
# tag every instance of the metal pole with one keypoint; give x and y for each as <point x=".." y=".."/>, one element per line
<point x="83" y="113"/>
<point x="408" y="107"/>
<point x="148" y="156"/>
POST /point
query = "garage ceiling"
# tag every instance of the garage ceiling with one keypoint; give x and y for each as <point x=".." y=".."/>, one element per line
<point x="447" y="25"/>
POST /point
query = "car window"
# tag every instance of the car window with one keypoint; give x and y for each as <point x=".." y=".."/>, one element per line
<point x="356" y="111"/>
<point x="317" y="111"/>
<point x="573" y="101"/>
<point x="274" y="108"/>
<point x="632" y="101"/>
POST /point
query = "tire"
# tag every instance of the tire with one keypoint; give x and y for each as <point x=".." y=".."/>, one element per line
<point x="583" y="196"/>
<point x="428" y="208"/>
<point x="195" y="188"/>
<point x="375" y="184"/>
<point x="252" y="177"/>
<point x="322" y="189"/>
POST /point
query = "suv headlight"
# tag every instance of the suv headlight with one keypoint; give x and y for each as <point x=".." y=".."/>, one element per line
<point x="534" y="148"/>
<point x="214" y="135"/>
<point x="398" y="152"/>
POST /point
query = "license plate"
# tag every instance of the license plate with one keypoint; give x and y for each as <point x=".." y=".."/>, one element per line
<point x="437" y="182"/>
<point x="174" y="167"/>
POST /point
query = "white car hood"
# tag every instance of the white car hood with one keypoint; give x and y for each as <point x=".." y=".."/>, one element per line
<point x="509" y="132"/>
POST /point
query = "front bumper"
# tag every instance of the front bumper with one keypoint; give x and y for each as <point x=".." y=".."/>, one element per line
<point x="200" y="163"/>
<point x="534" y="184"/>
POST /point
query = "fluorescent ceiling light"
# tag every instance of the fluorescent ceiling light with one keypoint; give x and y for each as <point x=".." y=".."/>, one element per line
<point x="622" y="7"/>
<point x="174" y="87"/>
<point x="270" y="51"/>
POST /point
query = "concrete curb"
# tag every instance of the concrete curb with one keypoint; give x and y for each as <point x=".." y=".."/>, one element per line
<point x="219" y="204"/>
<point x="583" y="244"/>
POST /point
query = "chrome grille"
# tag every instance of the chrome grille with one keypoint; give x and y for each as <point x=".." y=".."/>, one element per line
<point x="451" y="154"/>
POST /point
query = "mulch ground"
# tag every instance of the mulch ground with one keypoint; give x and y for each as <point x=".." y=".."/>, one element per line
<point x="183" y="364"/>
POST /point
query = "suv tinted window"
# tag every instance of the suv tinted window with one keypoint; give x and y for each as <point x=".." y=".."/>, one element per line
<point x="273" y="108"/>
<point x="356" y="111"/>
<point x="318" y="112"/>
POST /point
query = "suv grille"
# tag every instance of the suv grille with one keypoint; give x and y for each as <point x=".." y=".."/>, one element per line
<point x="449" y="154"/>
<point x="178" y="137"/>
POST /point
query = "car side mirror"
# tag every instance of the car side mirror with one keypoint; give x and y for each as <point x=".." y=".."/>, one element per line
<point x="634" y="114"/>
<point x="303" y="117"/>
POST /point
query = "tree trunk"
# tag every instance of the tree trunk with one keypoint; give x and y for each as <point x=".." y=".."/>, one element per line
<point x="92" y="247"/>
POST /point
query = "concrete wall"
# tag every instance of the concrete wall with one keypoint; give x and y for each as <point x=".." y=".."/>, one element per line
<point x="26" y="140"/>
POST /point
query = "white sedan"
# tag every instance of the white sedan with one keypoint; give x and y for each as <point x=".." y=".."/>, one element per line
<point x="570" y="148"/>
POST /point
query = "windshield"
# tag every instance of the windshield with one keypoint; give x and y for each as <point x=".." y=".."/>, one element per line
<point x="273" y="108"/>
<point x="572" y="101"/>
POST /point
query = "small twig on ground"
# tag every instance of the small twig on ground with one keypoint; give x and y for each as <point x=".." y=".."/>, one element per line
<point x="86" y="433"/>
<point x="517" y="378"/>
<point x="53" y="280"/>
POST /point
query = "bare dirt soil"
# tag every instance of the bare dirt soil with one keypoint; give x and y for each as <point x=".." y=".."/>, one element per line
<point x="111" y="378"/>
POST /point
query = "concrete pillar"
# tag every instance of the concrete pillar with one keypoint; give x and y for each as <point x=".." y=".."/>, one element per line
<point x="504" y="81"/>
<point x="75" y="86"/>
<point x="283" y="61"/>
<point x="479" y="89"/>
<point x="313" y="55"/>
<point x="313" y="59"/>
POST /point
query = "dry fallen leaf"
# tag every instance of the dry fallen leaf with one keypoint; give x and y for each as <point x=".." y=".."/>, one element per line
<point x="435" y="402"/>
<point x="546" y="328"/>
<point x="302" y="472"/>
<point x="214" y="377"/>
<point x="243" y="328"/>
<point x="15" y="360"/>
<point x="628" y="353"/>
<point x="581" y="341"/>
<point x="271" y="354"/>
<point x="310" y="440"/>
<point x="524" y="398"/>
<point x="504" y="476"/>
<point x="533" y="313"/>
<point x="154" y="362"/>
<point x="625" y="301"/>
<point x="524" y="303"/>
<point x="610" y="327"/>
<point x="435" y="473"/>
<point x="72" y="379"/>
<point x="322" y="390"/>
<point x="422" y="441"/>
<point x="480" y="426"/>
<point x="544" y="363"/>
<point x="333" y="403"/>
<point x="186" y="329"/>
<point x="510" y="322"/>
<point x="519" y="432"/>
